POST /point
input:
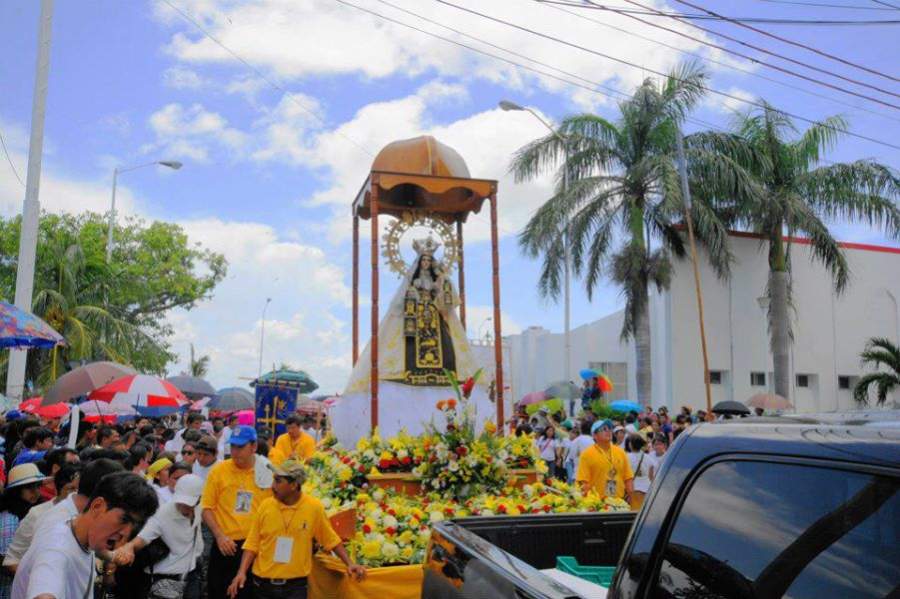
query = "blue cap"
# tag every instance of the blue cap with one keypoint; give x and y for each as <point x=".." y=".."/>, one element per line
<point x="600" y="424"/>
<point x="242" y="436"/>
<point x="14" y="415"/>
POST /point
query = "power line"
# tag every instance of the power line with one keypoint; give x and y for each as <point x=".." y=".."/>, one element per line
<point x="9" y="160"/>
<point x="767" y="20"/>
<point x="658" y="73"/>
<point x="791" y="42"/>
<point x="824" y="5"/>
<point x="894" y="6"/>
<point x="714" y="61"/>
<point x="264" y="77"/>
<point x="592" y="5"/>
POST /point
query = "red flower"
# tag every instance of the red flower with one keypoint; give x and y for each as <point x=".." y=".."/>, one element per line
<point x="547" y="508"/>
<point x="467" y="387"/>
<point x="405" y="460"/>
<point x="501" y="508"/>
<point x="451" y="404"/>
<point x="367" y="529"/>
<point x="391" y="531"/>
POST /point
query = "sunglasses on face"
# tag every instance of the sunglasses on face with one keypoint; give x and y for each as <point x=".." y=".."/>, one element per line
<point x="188" y="452"/>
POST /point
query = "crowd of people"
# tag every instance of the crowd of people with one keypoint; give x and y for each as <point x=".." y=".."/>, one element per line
<point x="191" y="507"/>
<point x="625" y="453"/>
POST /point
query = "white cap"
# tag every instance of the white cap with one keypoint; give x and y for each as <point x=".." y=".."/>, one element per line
<point x="188" y="490"/>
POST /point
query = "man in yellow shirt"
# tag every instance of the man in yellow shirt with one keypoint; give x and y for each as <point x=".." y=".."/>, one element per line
<point x="295" y="444"/>
<point x="603" y="467"/>
<point x="280" y="543"/>
<point x="235" y="489"/>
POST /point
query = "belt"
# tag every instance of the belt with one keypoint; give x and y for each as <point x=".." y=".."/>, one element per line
<point x="277" y="582"/>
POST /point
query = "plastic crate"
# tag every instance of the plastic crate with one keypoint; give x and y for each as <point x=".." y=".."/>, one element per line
<point x="601" y="575"/>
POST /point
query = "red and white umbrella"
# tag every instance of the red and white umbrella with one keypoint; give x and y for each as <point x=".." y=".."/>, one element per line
<point x="199" y="404"/>
<point x="140" y="390"/>
<point x="96" y="410"/>
<point x="30" y="405"/>
<point x="57" y="410"/>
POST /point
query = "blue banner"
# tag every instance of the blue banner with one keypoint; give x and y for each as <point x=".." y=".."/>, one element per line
<point x="273" y="405"/>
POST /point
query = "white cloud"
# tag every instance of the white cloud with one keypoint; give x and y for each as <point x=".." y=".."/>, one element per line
<point x="296" y="40"/>
<point x="737" y="103"/>
<point x="192" y="132"/>
<point x="179" y="77"/>
<point x="479" y="322"/>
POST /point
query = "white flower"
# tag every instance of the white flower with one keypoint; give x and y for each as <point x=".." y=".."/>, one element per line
<point x="502" y="455"/>
<point x="369" y="454"/>
<point x="389" y="521"/>
<point x="390" y="550"/>
<point x="378" y="494"/>
<point x="453" y="466"/>
<point x="402" y="454"/>
<point x="436" y="516"/>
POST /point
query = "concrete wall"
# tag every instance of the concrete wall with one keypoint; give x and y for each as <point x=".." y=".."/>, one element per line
<point x="829" y="331"/>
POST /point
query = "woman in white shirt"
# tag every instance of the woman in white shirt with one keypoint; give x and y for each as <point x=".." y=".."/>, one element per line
<point x="640" y="465"/>
<point x="547" y="445"/>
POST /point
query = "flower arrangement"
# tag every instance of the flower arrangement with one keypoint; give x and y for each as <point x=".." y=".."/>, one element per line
<point x="401" y="453"/>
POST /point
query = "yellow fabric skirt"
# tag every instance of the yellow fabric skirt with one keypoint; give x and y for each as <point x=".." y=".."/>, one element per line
<point x="329" y="580"/>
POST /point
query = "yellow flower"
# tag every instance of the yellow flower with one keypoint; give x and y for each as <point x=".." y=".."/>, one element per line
<point x="371" y="549"/>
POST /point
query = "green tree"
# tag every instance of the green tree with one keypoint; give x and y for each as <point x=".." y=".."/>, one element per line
<point x="116" y="311"/>
<point x="797" y="194"/>
<point x="879" y="352"/>
<point x="199" y="367"/>
<point x="623" y="193"/>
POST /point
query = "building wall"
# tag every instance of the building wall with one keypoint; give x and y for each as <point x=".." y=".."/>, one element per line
<point x="829" y="331"/>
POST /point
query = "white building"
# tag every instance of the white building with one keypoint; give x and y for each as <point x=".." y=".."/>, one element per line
<point x="829" y="333"/>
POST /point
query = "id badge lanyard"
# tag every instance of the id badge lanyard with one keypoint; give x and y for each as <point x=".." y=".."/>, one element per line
<point x="284" y="545"/>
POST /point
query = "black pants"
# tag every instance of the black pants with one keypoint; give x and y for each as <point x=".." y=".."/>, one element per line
<point x="222" y="570"/>
<point x="291" y="589"/>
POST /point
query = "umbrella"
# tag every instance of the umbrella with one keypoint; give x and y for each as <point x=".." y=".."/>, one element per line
<point x="588" y="373"/>
<point x="30" y="405"/>
<point x="55" y="411"/>
<point x="19" y="328"/>
<point x="85" y="379"/>
<point x="563" y="390"/>
<point x="730" y="407"/>
<point x="100" y="409"/>
<point x="292" y="379"/>
<point x="192" y="386"/>
<point x="604" y="383"/>
<point x="140" y="390"/>
<point x="246" y="417"/>
<point x="232" y="399"/>
<point x="624" y="405"/>
<point x="199" y="404"/>
<point x="533" y="397"/>
<point x="310" y="406"/>
<point x="769" y="401"/>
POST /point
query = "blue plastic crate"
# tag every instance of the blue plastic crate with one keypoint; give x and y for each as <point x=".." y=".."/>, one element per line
<point x="601" y="575"/>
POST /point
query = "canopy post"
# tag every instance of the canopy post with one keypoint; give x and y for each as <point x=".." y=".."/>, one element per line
<point x="498" y="341"/>
<point x="373" y="347"/>
<point x="355" y="287"/>
<point x="462" y="274"/>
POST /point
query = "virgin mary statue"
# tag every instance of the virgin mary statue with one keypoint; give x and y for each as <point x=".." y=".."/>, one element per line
<point x="419" y="338"/>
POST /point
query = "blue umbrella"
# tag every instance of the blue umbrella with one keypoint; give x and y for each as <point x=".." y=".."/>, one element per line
<point x="624" y="405"/>
<point x="158" y="411"/>
<point x="19" y="328"/>
<point x="587" y="373"/>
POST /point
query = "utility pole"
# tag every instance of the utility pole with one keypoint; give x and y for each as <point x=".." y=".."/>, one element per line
<point x="686" y="194"/>
<point x="31" y="209"/>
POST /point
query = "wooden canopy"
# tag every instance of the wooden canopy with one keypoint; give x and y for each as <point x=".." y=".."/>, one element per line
<point x="422" y="175"/>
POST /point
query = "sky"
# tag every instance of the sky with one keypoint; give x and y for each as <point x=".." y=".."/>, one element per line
<point x="278" y="129"/>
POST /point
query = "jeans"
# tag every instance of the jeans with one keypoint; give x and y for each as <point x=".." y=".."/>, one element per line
<point x="222" y="570"/>
<point x="291" y="589"/>
<point x="570" y="471"/>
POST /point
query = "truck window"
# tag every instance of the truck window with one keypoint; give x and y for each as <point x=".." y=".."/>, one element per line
<point x="755" y="530"/>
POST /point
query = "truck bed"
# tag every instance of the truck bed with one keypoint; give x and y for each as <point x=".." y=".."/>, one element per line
<point x="501" y="557"/>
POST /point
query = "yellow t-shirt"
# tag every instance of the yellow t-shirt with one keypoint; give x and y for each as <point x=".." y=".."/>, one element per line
<point x="231" y="493"/>
<point x="301" y="522"/>
<point x="594" y="467"/>
<point x="301" y="449"/>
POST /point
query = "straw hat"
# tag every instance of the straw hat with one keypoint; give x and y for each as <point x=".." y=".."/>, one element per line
<point x="24" y="474"/>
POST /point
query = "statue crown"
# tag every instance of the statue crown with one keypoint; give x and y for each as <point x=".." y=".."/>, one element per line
<point x="425" y="247"/>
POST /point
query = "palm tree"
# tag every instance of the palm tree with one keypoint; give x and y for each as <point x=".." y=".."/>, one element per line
<point x="879" y="351"/>
<point x="798" y="195"/>
<point x="198" y="367"/>
<point x="74" y="307"/>
<point x="622" y="193"/>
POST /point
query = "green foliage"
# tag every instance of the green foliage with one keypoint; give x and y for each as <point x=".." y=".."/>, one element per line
<point x="879" y="352"/>
<point x="198" y="367"/>
<point x="113" y="311"/>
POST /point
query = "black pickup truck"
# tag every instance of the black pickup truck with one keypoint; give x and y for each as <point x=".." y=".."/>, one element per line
<point x="749" y="509"/>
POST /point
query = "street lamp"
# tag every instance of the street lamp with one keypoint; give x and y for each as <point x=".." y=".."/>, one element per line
<point x="506" y="105"/>
<point x="764" y="302"/>
<point x="262" y="335"/>
<point x="172" y="164"/>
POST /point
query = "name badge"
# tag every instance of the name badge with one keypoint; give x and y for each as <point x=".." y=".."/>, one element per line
<point x="242" y="502"/>
<point x="284" y="546"/>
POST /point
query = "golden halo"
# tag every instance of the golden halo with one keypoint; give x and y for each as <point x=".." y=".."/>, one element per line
<point x="399" y="227"/>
